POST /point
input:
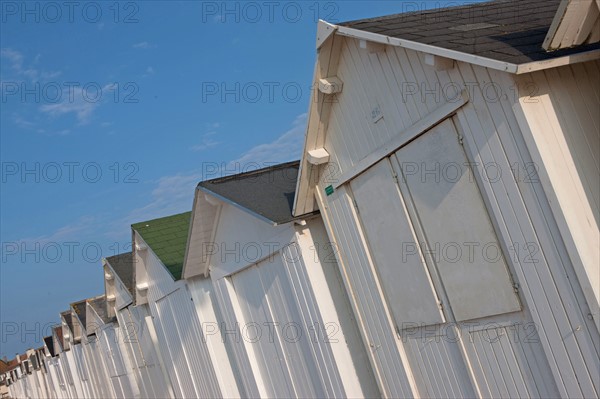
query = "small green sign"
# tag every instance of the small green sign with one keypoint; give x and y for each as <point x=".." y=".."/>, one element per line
<point x="329" y="190"/>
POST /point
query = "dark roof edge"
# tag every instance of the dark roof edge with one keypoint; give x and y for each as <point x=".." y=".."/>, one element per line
<point x="250" y="173"/>
<point x="421" y="12"/>
<point x="504" y="66"/>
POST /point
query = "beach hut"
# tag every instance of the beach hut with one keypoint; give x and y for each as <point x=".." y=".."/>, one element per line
<point x="265" y="283"/>
<point x="108" y="347"/>
<point x="158" y="255"/>
<point x="136" y="328"/>
<point x="455" y="163"/>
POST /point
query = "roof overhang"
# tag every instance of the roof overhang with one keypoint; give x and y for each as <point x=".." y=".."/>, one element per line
<point x="205" y="214"/>
<point x="576" y="22"/>
<point x="93" y="319"/>
<point x="328" y="48"/>
<point x="115" y="276"/>
<point x="470" y="58"/>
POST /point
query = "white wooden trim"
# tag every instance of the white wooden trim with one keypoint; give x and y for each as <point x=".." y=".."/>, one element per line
<point x="324" y="30"/>
<point x="317" y="156"/>
<point x="404" y="137"/>
<point x="427" y="48"/>
<point x="215" y="226"/>
<point x="318" y="120"/>
<point x="470" y="58"/>
<point x="556" y="22"/>
<point x="331" y="85"/>
<point x="557" y="62"/>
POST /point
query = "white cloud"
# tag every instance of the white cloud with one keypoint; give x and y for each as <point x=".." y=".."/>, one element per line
<point x="17" y="60"/>
<point x="142" y="45"/>
<point x="82" y="109"/>
<point x="149" y="71"/>
<point x="23" y="123"/>
<point x="207" y="142"/>
<point x="70" y="232"/>
<point x="172" y="194"/>
<point x="286" y="147"/>
<point x="78" y="102"/>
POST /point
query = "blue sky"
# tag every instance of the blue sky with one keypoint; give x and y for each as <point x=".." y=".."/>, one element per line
<point x="110" y="115"/>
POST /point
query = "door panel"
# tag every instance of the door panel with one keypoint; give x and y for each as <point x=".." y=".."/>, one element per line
<point x="457" y="227"/>
<point x="394" y="247"/>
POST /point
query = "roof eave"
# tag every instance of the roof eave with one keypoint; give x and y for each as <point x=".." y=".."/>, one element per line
<point x="559" y="61"/>
<point x="204" y="269"/>
<point x="116" y="276"/>
<point x="428" y="48"/>
<point x="305" y="187"/>
<point x="470" y="58"/>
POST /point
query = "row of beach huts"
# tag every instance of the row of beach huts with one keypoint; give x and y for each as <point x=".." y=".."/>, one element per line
<point x="439" y="237"/>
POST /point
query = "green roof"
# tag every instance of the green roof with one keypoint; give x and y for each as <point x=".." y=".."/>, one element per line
<point x="167" y="237"/>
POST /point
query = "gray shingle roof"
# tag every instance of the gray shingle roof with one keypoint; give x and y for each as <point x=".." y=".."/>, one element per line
<point x="267" y="192"/>
<point x="122" y="264"/>
<point x="505" y="30"/>
<point x="81" y="310"/>
<point x="99" y="305"/>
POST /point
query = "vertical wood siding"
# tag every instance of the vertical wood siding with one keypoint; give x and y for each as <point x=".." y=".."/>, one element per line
<point x="186" y="355"/>
<point x="563" y="360"/>
<point x="286" y="291"/>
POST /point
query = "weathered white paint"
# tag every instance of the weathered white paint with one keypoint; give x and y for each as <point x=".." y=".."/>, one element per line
<point x="184" y="351"/>
<point x="146" y="365"/>
<point x="97" y="368"/>
<point x="576" y="22"/>
<point x="560" y="356"/>
<point x="114" y="287"/>
<point x="203" y="296"/>
<point x="561" y="127"/>
<point x="281" y="310"/>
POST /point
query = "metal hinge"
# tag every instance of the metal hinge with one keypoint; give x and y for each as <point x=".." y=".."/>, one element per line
<point x="516" y="288"/>
<point x="460" y="139"/>
<point x="395" y="176"/>
<point x="441" y="305"/>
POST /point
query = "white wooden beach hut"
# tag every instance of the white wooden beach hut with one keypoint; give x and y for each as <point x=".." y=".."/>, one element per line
<point x="158" y="248"/>
<point x="37" y="373"/>
<point x="92" y="354"/>
<point x="136" y="328"/>
<point x="108" y="346"/>
<point x="265" y="283"/>
<point x="56" y="365"/>
<point x="455" y="163"/>
<point x="49" y="353"/>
